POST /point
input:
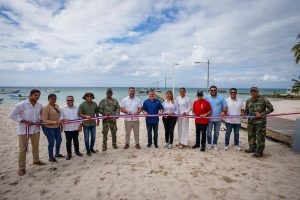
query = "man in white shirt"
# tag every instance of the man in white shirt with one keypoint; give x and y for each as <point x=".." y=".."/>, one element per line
<point x="26" y="113"/>
<point x="71" y="130"/>
<point x="131" y="105"/>
<point x="235" y="106"/>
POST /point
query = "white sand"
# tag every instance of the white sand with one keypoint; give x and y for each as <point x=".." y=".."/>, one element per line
<point x="287" y="106"/>
<point x="149" y="173"/>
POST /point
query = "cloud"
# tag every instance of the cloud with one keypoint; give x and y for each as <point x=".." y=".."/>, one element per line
<point x="139" y="40"/>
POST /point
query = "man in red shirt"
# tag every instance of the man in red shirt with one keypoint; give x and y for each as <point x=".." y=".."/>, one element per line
<point x="201" y="108"/>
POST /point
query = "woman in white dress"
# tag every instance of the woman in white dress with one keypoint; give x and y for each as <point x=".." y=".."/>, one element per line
<point x="183" y="104"/>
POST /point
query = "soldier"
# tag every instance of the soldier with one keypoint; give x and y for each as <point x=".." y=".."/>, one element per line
<point x="260" y="107"/>
<point x="109" y="106"/>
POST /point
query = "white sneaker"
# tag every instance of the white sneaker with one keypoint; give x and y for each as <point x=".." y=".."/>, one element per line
<point x="216" y="148"/>
<point x="170" y="146"/>
<point x="226" y="148"/>
<point x="237" y="148"/>
<point x="167" y="145"/>
<point x="208" y="147"/>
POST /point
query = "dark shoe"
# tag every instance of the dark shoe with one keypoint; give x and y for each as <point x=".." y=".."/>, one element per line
<point x="249" y="150"/>
<point x="78" y="154"/>
<point x="155" y="145"/>
<point x="59" y="156"/>
<point x="115" y="146"/>
<point x="39" y="163"/>
<point x="195" y="146"/>
<point x="149" y="145"/>
<point x="126" y="146"/>
<point x="93" y="151"/>
<point x="137" y="146"/>
<point x="202" y="149"/>
<point x="257" y="155"/>
<point x="53" y="160"/>
<point x="22" y="172"/>
<point x="69" y="156"/>
<point x="104" y="148"/>
<point x="89" y="153"/>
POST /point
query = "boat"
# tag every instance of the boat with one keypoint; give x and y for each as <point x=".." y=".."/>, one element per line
<point x="8" y="91"/>
<point x="157" y="90"/>
<point x="52" y="90"/>
<point x="18" y="96"/>
<point x="141" y="91"/>
<point x="1" y="99"/>
<point x="222" y="91"/>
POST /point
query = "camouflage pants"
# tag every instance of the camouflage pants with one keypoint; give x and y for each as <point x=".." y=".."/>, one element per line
<point x="256" y="136"/>
<point x="112" y="125"/>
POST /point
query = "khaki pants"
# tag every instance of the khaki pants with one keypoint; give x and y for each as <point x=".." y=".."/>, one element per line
<point x="34" y="140"/>
<point x="129" y="125"/>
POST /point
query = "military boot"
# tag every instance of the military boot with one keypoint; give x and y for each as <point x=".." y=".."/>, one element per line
<point x="104" y="148"/>
<point x="249" y="150"/>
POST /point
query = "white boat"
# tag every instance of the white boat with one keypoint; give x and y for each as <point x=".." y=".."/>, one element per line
<point x="8" y="91"/>
<point x="18" y="96"/>
<point x="52" y="90"/>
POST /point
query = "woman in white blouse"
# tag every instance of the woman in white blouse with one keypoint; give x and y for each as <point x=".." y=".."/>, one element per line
<point x="183" y="105"/>
<point x="169" y="108"/>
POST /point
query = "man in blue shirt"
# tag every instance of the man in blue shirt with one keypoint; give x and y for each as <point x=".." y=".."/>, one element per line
<point x="218" y="106"/>
<point x="152" y="106"/>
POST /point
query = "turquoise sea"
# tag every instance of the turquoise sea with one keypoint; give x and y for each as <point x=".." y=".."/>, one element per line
<point x="119" y="93"/>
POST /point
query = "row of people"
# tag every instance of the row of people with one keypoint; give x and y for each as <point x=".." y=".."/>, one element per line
<point x="214" y="105"/>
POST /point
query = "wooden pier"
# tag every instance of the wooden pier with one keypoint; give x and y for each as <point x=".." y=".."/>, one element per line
<point x="160" y="96"/>
<point x="279" y="129"/>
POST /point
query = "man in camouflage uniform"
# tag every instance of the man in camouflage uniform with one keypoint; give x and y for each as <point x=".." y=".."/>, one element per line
<point x="260" y="107"/>
<point x="109" y="106"/>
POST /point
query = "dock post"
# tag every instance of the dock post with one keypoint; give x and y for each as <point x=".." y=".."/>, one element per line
<point x="296" y="138"/>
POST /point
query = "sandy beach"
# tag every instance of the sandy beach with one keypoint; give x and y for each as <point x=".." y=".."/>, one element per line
<point x="151" y="173"/>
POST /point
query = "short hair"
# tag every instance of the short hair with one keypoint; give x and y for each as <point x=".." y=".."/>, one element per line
<point x="182" y="88"/>
<point x="152" y="90"/>
<point x="34" y="91"/>
<point x="233" y="89"/>
<point x="69" y="96"/>
<point x="213" y="86"/>
<point x="131" y="88"/>
<point x="52" y="95"/>
<point x="87" y="94"/>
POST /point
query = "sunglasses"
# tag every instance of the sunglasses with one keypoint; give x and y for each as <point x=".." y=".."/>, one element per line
<point x="213" y="90"/>
<point x="88" y="96"/>
<point x="233" y="92"/>
<point x="70" y="100"/>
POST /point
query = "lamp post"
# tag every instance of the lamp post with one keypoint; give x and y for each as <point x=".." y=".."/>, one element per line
<point x="174" y="75"/>
<point x="207" y="73"/>
<point x="166" y="83"/>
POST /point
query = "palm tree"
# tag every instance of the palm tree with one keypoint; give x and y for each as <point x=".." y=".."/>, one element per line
<point x="296" y="50"/>
<point x="296" y="86"/>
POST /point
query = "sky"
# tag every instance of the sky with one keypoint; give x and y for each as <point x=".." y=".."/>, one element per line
<point x="100" y="43"/>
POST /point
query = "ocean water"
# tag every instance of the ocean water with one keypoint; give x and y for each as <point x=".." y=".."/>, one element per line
<point x="118" y="93"/>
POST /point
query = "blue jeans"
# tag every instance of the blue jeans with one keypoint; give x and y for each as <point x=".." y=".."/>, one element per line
<point x="89" y="130"/>
<point x="217" y="126"/>
<point x="53" y="136"/>
<point x="236" y="130"/>
<point x="151" y="126"/>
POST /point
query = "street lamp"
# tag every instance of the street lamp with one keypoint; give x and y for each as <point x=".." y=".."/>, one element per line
<point x="174" y="75"/>
<point x="207" y="73"/>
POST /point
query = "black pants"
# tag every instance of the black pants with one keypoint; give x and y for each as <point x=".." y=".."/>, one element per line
<point x="169" y="124"/>
<point x="69" y="136"/>
<point x="201" y="128"/>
